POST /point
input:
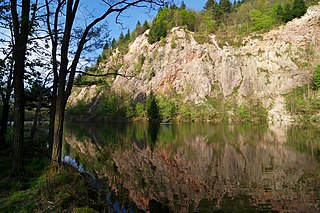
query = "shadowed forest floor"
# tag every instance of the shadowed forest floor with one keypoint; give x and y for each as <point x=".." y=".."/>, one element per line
<point x="41" y="189"/>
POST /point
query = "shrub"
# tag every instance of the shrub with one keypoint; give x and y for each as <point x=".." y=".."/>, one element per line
<point x="244" y="113"/>
<point x="167" y="108"/>
<point x="138" y="66"/>
<point x="140" y="110"/>
<point x="261" y="21"/>
<point x="316" y="77"/>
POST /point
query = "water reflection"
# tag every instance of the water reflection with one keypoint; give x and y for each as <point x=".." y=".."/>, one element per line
<point x="202" y="167"/>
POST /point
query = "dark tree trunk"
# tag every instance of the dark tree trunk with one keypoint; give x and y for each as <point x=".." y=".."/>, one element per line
<point x="35" y="121"/>
<point x="18" y="118"/>
<point x="21" y="32"/>
<point x="6" y="107"/>
<point x="58" y="133"/>
<point x="52" y="116"/>
<point x="4" y="121"/>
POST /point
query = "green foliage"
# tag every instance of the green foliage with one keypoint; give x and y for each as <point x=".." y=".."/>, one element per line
<point x="37" y="91"/>
<point x="186" y="18"/>
<point x="139" y="30"/>
<point x="140" y="111"/>
<point x="253" y="112"/>
<point x="226" y="6"/>
<point x="138" y="66"/>
<point x="80" y="109"/>
<point x="159" y="26"/>
<point x="111" y="106"/>
<point x="316" y="77"/>
<point x="146" y="25"/>
<point x="261" y="21"/>
<point x="244" y="113"/>
<point x="173" y="44"/>
<point x="152" y="107"/>
<point x="303" y="103"/>
<point x="207" y="23"/>
<point x="183" y="5"/>
<point x="167" y="18"/>
<point x="258" y="112"/>
<point x="289" y="10"/>
<point x="201" y="38"/>
<point x="167" y="108"/>
<point x="214" y="9"/>
<point x="299" y="8"/>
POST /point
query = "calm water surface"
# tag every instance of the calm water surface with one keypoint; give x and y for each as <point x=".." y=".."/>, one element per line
<point x="199" y="167"/>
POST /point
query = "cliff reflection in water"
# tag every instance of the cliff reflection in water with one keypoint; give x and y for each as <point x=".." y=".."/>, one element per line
<point x="202" y="167"/>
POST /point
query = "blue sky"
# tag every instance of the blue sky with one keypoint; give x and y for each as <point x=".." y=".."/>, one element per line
<point x="130" y="18"/>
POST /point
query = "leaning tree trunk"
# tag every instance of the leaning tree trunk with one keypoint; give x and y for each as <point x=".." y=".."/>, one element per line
<point x="56" y="156"/>
<point x="52" y="115"/>
<point x="4" y="121"/>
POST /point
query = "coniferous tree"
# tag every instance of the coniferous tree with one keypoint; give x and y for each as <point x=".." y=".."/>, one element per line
<point x="234" y="6"/>
<point x="146" y="25"/>
<point x="214" y="8"/>
<point x="138" y="31"/>
<point x="173" y="7"/>
<point x="299" y="8"/>
<point x="159" y="26"/>
<point x="121" y="37"/>
<point x="127" y="37"/>
<point x="183" y="5"/>
<point x="287" y="13"/>
<point x="226" y="6"/>
<point x="152" y="107"/>
<point x="113" y="43"/>
<point x="279" y="12"/>
<point x="209" y="5"/>
<point x="138" y="24"/>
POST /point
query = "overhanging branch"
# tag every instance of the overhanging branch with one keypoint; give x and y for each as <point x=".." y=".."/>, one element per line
<point x="106" y="74"/>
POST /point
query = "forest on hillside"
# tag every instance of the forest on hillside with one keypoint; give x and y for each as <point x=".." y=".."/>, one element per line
<point x="230" y="21"/>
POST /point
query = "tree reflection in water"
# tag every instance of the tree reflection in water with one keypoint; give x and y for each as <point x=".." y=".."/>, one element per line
<point x="202" y="167"/>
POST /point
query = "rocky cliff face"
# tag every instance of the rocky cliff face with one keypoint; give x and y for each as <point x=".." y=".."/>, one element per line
<point x="262" y="68"/>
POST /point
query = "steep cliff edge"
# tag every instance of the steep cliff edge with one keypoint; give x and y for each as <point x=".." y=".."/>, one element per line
<point x="262" y="67"/>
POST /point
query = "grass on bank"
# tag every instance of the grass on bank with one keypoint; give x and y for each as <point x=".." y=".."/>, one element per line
<point x="47" y="191"/>
<point x="43" y="190"/>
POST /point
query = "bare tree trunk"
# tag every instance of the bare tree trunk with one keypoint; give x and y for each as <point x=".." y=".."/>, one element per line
<point x="21" y="32"/>
<point x="6" y="107"/>
<point x="35" y="121"/>
<point x="58" y="133"/>
<point x="52" y="116"/>
<point x="4" y="121"/>
<point x="18" y="128"/>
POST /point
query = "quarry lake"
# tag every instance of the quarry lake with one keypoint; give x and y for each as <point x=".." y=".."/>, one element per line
<point x="198" y="167"/>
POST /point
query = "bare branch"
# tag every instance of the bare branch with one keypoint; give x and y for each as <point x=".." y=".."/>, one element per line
<point x="106" y="74"/>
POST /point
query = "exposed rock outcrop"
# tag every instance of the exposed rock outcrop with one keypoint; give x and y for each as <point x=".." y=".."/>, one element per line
<point x="262" y="68"/>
